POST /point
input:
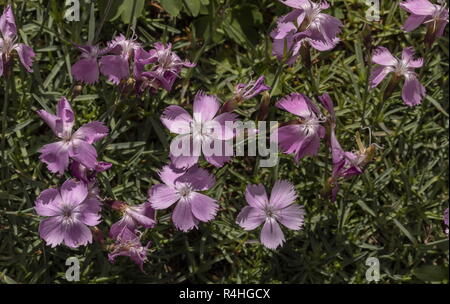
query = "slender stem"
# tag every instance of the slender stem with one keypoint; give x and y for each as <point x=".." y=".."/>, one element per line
<point x="4" y="126"/>
<point x="102" y="22"/>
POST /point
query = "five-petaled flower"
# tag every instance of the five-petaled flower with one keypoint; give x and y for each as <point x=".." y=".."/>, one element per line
<point x="204" y="133"/>
<point x="182" y="188"/>
<point x="279" y="209"/>
<point x="413" y="91"/>
<point x="305" y="25"/>
<point x="70" y="210"/>
<point x="8" y="44"/>
<point x="77" y="146"/>
<point x="435" y="17"/>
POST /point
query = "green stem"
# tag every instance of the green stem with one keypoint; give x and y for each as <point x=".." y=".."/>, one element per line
<point x="4" y="126"/>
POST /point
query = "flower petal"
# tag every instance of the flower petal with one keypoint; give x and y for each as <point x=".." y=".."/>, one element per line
<point x="383" y="56"/>
<point x="26" y="56"/>
<point x="177" y="120"/>
<point x="203" y="207"/>
<point x="47" y="203"/>
<point x="256" y="196"/>
<point x="92" y="132"/>
<point x="250" y="218"/>
<point x="77" y="234"/>
<point x="283" y="194"/>
<point x="86" y="70"/>
<point x="51" y="230"/>
<point x="182" y="216"/>
<point x="162" y="196"/>
<point x="413" y="91"/>
<point x="205" y="107"/>
<point x="8" y="23"/>
<point x="73" y="192"/>
<point x="84" y="153"/>
<point x="292" y="217"/>
<point x="271" y="234"/>
<point x="56" y="156"/>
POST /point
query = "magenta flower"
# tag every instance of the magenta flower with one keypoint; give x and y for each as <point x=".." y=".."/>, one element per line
<point x="250" y="90"/>
<point x="117" y="65"/>
<point x="182" y="188"/>
<point x="446" y="220"/>
<point x="77" y="146"/>
<point x="305" y="25"/>
<point x="424" y="12"/>
<point x="280" y="209"/>
<point x="70" y="210"/>
<point x="166" y="68"/>
<point x="413" y="91"/>
<point x="8" y="44"/>
<point x="202" y="132"/>
<point x="129" y="244"/>
<point x="300" y="137"/>
<point x="85" y="174"/>
<point x="87" y="69"/>
<point x="345" y="164"/>
<point x="133" y="217"/>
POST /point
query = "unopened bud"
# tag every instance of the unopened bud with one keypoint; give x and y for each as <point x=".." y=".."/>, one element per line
<point x="264" y="107"/>
<point x="77" y="90"/>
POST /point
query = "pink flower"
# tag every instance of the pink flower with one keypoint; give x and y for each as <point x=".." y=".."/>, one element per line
<point x="302" y="136"/>
<point x="203" y="131"/>
<point x="306" y="24"/>
<point x="280" y="209"/>
<point x="117" y="65"/>
<point x="77" y="146"/>
<point x="252" y="89"/>
<point x="424" y="12"/>
<point x="133" y="217"/>
<point x="85" y="174"/>
<point x="182" y="188"/>
<point x="166" y="68"/>
<point x="70" y="210"/>
<point x="8" y="44"/>
<point x="345" y="164"/>
<point x="129" y="244"/>
<point x="413" y="91"/>
<point x="86" y="69"/>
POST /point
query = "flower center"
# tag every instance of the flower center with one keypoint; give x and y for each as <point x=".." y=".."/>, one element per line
<point x="185" y="190"/>
<point x="310" y="126"/>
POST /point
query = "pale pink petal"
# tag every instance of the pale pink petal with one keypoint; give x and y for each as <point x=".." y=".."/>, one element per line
<point x="199" y="179"/>
<point x="378" y="74"/>
<point x="51" y="121"/>
<point x="26" y="56"/>
<point x="408" y="56"/>
<point x="250" y="218"/>
<point x="84" y="153"/>
<point x="56" y="156"/>
<point x="177" y="120"/>
<point x="297" y="104"/>
<point x="383" y="56"/>
<point x="65" y="113"/>
<point x="292" y="217"/>
<point x="169" y="174"/>
<point x="203" y="207"/>
<point x="413" y="91"/>
<point x="47" y="203"/>
<point x="92" y="132"/>
<point x="418" y="7"/>
<point x="256" y="196"/>
<point x="162" y="196"/>
<point x="51" y="230"/>
<point x="77" y="234"/>
<point x="182" y="216"/>
<point x="283" y="194"/>
<point x="271" y="234"/>
<point x="413" y="22"/>
<point x="8" y="23"/>
<point x="73" y="192"/>
<point x="205" y="107"/>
